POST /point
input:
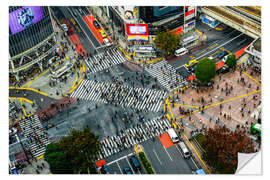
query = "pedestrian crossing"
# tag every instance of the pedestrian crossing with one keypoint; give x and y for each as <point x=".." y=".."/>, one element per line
<point x="104" y="60"/>
<point x="120" y="95"/>
<point x="166" y="75"/>
<point x="132" y="136"/>
<point x="34" y="132"/>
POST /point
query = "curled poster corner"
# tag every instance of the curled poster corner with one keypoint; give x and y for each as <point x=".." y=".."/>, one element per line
<point x="249" y="163"/>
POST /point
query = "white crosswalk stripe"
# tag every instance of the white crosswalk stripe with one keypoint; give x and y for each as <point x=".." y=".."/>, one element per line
<point x="166" y="75"/>
<point x="130" y="137"/>
<point x="37" y="138"/>
<point x="122" y="95"/>
<point x="104" y="60"/>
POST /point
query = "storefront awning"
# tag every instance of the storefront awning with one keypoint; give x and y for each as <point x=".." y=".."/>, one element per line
<point x="138" y="38"/>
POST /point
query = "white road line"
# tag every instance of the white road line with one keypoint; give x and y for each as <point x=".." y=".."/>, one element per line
<point x="179" y="151"/>
<point x="119" y="167"/>
<point x="72" y="14"/>
<point x="157" y="156"/>
<point x="194" y="162"/>
<point x="167" y="153"/>
<point x="120" y="159"/>
<point x="130" y="165"/>
<point x="215" y="48"/>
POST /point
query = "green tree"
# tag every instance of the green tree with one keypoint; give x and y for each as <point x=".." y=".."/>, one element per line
<point x="221" y="147"/>
<point x="57" y="159"/>
<point x="231" y="60"/>
<point x="205" y="70"/>
<point x="167" y="42"/>
<point x="82" y="148"/>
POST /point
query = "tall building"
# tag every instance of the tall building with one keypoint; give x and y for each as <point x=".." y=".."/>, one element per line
<point x="31" y="40"/>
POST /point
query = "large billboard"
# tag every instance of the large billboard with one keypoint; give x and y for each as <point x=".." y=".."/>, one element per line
<point x="24" y="17"/>
<point x="137" y="29"/>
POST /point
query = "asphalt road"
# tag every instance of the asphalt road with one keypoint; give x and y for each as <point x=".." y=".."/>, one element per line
<point x="229" y="38"/>
<point x="117" y="162"/>
<point x="87" y="39"/>
<point x="167" y="161"/>
<point x="33" y="96"/>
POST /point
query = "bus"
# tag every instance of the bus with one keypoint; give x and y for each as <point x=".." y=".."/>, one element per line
<point x="256" y="129"/>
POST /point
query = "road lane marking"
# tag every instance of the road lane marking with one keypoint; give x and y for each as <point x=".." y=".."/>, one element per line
<point x="30" y="89"/>
<point x="170" y="110"/>
<point x="194" y="162"/>
<point x="119" y="159"/>
<point x="215" y="48"/>
<point x="197" y="154"/>
<point x="157" y="156"/>
<point x="222" y="102"/>
<point x="167" y="153"/>
<point x="184" y="105"/>
<point x="130" y="165"/>
<point x="242" y="60"/>
<point x="119" y="167"/>
<point x="71" y="12"/>
<point x="179" y="151"/>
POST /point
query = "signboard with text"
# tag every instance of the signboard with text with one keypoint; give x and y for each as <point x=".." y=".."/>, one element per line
<point x="137" y="29"/>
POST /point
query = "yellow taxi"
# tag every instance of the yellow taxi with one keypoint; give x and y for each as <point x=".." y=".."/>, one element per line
<point x="191" y="63"/>
<point x="103" y="34"/>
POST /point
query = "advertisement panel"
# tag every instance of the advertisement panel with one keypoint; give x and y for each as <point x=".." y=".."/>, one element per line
<point x="190" y="12"/>
<point x="137" y="29"/>
<point x="24" y="17"/>
<point x="178" y="31"/>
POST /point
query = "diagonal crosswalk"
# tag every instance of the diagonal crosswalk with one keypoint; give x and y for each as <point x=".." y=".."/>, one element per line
<point x="130" y="137"/>
<point x="37" y="137"/>
<point x="104" y="60"/>
<point x="166" y="75"/>
<point x="120" y="95"/>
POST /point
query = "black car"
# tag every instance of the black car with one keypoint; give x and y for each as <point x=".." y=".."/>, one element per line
<point x="96" y="24"/>
<point x="222" y="54"/>
<point x="127" y="171"/>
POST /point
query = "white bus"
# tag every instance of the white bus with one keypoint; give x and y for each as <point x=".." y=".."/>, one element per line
<point x="173" y="135"/>
<point x="184" y="149"/>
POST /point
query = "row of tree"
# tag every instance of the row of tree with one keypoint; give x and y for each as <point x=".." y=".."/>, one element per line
<point x="74" y="154"/>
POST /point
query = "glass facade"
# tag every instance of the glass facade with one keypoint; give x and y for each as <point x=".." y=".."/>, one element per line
<point x="151" y="14"/>
<point x="32" y="35"/>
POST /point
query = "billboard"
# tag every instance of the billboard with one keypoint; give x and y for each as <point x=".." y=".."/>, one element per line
<point x="21" y="18"/>
<point x="137" y="29"/>
<point x="190" y="12"/>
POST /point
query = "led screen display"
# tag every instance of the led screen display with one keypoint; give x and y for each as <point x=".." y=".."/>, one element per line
<point x="24" y="17"/>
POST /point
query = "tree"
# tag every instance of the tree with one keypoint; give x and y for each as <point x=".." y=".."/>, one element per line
<point x="167" y="42"/>
<point x="81" y="148"/>
<point x="205" y="70"/>
<point x="57" y="159"/>
<point x="231" y="60"/>
<point x="222" y="147"/>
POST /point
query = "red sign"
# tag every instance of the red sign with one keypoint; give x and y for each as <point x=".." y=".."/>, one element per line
<point x="190" y="12"/>
<point x="137" y="29"/>
<point x="178" y="30"/>
<point x="186" y="6"/>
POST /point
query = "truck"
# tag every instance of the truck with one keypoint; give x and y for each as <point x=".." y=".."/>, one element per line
<point x="173" y="135"/>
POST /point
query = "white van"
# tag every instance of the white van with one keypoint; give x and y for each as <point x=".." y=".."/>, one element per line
<point x="181" y="52"/>
<point x="173" y="135"/>
<point x="184" y="149"/>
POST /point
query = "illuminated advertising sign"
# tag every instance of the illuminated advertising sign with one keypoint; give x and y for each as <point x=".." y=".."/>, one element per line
<point x="24" y="17"/>
<point x="137" y="29"/>
<point x="190" y="12"/>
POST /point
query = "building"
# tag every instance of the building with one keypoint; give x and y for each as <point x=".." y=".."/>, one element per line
<point x="254" y="49"/>
<point x="146" y="19"/>
<point x="31" y="40"/>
